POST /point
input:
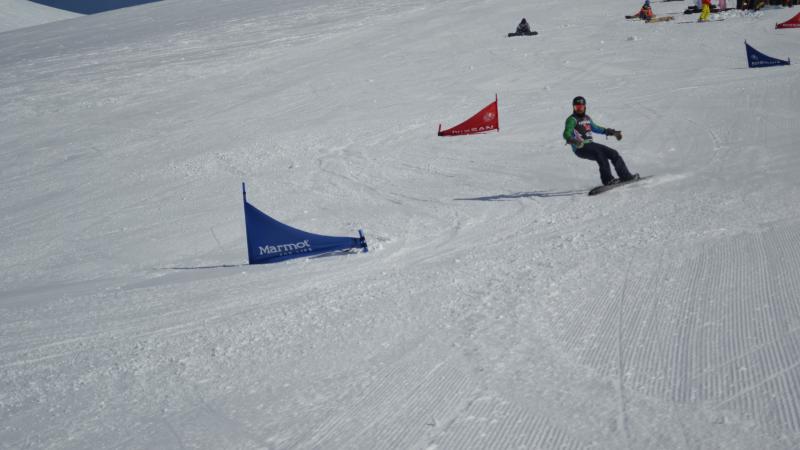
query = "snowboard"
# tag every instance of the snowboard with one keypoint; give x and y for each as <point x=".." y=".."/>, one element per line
<point x="654" y="19"/>
<point x="707" y="21"/>
<point x="604" y="188"/>
<point x="531" y="33"/>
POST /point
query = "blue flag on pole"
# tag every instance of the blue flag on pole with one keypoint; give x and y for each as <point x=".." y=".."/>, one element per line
<point x="757" y="59"/>
<point x="270" y="241"/>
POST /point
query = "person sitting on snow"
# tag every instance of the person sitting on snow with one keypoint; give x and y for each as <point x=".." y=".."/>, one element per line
<point x="646" y="13"/>
<point x="523" y="27"/>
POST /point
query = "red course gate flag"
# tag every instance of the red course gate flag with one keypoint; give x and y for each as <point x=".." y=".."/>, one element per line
<point x="486" y="120"/>
<point x="794" y="22"/>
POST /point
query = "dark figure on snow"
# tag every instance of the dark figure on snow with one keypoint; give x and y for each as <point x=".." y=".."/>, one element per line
<point x="523" y="29"/>
<point x="578" y="133"/>
<point x="646" y="13"/>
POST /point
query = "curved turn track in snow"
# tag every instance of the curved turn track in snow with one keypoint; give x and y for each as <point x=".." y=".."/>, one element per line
<point x="499" y="306"/>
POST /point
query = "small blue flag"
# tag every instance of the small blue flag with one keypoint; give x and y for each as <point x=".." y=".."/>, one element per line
<point x="757" y="59"/>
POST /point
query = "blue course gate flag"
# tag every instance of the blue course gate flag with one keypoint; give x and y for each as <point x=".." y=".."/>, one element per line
<point x="757" y="59"/>
<point x="270" y="241"/>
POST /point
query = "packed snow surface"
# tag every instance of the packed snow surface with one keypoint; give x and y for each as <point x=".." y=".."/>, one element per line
<point x="499" y="305"/>
<point x="15" y="14"/>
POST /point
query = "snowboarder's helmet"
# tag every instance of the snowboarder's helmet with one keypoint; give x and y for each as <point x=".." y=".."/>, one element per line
<point x="579" y="105"/>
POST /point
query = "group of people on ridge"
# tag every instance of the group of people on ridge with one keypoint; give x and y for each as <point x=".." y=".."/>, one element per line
<point x="646" y="12"/>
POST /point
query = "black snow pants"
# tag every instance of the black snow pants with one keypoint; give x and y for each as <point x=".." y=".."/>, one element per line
<point x="602" y="155"/>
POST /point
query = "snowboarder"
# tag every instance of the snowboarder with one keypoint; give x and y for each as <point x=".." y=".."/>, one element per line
<point x="578" y="133"/>
<point x="523" y="29"/>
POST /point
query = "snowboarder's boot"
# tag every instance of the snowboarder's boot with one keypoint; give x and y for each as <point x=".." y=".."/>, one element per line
<point x="633" y="177"/>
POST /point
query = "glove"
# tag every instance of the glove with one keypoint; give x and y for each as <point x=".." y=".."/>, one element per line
<point x="612" y="132"/>
<point x="578" y="143"/>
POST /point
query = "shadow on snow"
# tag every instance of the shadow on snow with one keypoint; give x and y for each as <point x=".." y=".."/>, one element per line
<point x="218" y="266"/>
<point x="542" y="194"/>
<point x="222" y="266"/>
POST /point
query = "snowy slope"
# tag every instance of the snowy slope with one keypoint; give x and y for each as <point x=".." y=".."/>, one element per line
<point x="15" y="14"/>
<point x="500" y="307"/>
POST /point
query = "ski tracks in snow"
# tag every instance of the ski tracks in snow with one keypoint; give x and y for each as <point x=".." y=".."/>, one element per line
<point x="716" y="332"/>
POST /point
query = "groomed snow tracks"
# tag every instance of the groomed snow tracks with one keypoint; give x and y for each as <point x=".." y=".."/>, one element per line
<point x="717" y="330"/>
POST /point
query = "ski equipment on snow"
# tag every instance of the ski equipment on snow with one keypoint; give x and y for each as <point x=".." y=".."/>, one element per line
<point x="608" y="187"/>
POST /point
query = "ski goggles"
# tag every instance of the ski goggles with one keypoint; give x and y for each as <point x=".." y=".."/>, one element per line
<point x="579" y="107"/>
